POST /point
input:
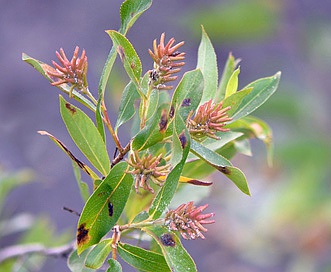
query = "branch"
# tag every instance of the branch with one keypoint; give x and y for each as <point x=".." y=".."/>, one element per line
<point x="20" y="250"/>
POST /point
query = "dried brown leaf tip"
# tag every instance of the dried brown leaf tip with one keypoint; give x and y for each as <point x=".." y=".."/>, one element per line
<point x="70" y="72"/>
<point x="147" y="168"/>
<point x="189" y="220"/>
<point x="167" y="62"/>
<point x="208" y="119"/>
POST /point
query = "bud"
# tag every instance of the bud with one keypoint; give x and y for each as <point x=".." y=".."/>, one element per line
<point x="208" y="119"/>
<point x="147" y="168"/>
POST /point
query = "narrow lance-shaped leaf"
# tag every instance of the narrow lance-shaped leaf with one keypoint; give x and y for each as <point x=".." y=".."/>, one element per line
<point x="98" y="254"/>
<point x="141" y="259"/>
<point x="127" y="110"/>
<point x="235" y="100"/>
<point x="229" y="67"/>
<point x="221" y="164"/>
<point x="188" y="93"/>
<point x="130" y="11"/>
<point x="262" y="89"/>
<point x="207" y="63"/>
<point x="129" y="57"/>
<point x="232" y="85"/>
<point x="104" y="207"/>
<point x="85" y="135"/>
<point x="75" y="160"/>
<point x="42" y="67"/>
<point x="165" y="195"/>
<point x="175" y="254"/>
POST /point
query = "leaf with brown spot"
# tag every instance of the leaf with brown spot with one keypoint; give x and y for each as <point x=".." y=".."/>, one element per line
<point x="95" y="217"/>
<point x="86" y="136"/>
<point x="175" y="254"/>
<point x="163" y="121"/>
<point x="221" y="164"/>
<point x="82" y="235"/>
<point x="70" y="108"/>
<point x="154" y="131"/>
<point x="187" y="96"/>
<point x="80" y="164"/>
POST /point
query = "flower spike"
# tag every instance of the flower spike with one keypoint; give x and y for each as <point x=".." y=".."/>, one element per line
<point x="188" y="220"/>
<point x="70" y="72"/>
<point x="166" y="63"/>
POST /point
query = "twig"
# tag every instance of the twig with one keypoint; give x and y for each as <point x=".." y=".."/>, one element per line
<point x="27" y="249"/>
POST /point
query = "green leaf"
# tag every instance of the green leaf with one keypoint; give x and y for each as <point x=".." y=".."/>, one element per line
<point x="127" y="110"/>
<point x="154" y="131"/>
<point x="235" y="100"/>
<point x="104" y="207"/>
<point x="98" y="254"/>
<point x="74" y="159"/>
<point x="83" y="187"/>
<point x="207" y="63"/>
<point x="130" y="11"/>
<point x="76" y="263"/>
<point x="229" y="67"/>
<point x="262" y="89"/>
<point x="175" y="254"/>
<point x="221" y="164"/>
<point x="114" y="266"/>
<point x="141" y="259"/>
<point x="85" y="135"/>
<point x="42" y="67"/>
<point x="188" y="93"/>
<point x="232" y="85"/>
<point x="165" y="195"/>
<point x="129" y="57"/>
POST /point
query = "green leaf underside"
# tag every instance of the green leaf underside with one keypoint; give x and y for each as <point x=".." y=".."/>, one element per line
<point x="254" y="127"/>
<point x="221" y="164"/>
<point x="83" y="187"/>
<point x="262" y="89"/>
<point x="129" y="57"/>
<point x="232" y="85"/>
<point x="207" y="63"/>
<point x="127" y="109"/>
<point x="229" y="67"/>
<point x="175" y="254"/>
<point x="130" y="11"/>
<point x="42" y="67"/>
<point x="154" y="131"/>
<point x="77" y="262"/>
<point x="114" y="266"/>
<point x="141" y="259"/>
<point x="74" y="159"/>
<point x="85" y="135"/>
<point x="165" y="195"/>
<point x="104" y="207"/>
<point x="188" y="93"/>
<point x="98" y="254"/>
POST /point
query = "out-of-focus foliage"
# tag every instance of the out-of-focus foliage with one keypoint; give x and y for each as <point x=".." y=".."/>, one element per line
<point x="28" y="229"/>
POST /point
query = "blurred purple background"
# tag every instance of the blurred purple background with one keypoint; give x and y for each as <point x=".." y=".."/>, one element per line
<point x="285" y="225"/>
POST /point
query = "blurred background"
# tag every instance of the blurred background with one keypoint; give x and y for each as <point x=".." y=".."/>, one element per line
<point x="284" y="226"/>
